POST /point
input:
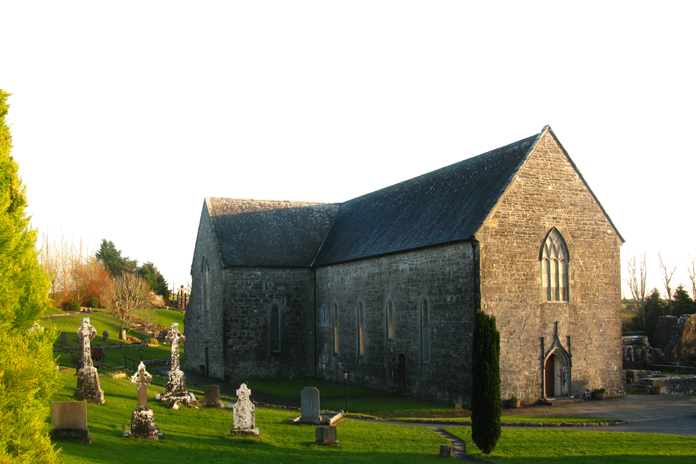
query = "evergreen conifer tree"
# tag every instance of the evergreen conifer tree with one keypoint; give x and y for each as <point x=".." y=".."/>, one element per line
<point x="27" y="368"/>
<point x="486" y="404"/>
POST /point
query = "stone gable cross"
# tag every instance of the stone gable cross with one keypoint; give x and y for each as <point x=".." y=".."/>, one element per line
<point x="174" y="336"/>
<point x="85" y="333"/>
<point x="142" y="379"/>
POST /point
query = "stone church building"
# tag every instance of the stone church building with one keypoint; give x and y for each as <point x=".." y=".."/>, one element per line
<point x="385" y="286"/>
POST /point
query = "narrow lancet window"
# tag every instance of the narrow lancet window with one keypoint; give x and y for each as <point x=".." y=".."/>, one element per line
<point x="275" y="329"/>
<point x="425" y="332"/>
<point x="390" y="320"/>
<point x="361" y="330"/>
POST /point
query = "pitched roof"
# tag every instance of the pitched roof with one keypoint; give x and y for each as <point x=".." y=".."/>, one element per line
<point x="268" y="233"/>
<point x="443" y="206"/>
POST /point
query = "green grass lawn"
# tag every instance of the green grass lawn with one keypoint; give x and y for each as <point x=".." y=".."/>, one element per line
<point x="544" y="446"/>
<point x="293" y="388"/>
<point x="387" y="404"/>
<point x="513" y="419"/>
<point x="100" y="321"/>
<point x="202" y="435"/>
<point x="165" y="317"/>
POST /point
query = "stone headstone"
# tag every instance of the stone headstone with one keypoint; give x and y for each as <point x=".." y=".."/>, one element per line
<point x="122" y="335"/>
<point x="446" y="450"/>
<point x="212" y="397"/>
<point x="63" y="338"/>
<point x="143" y="419"/>
<point x="88" y="387"/>
<point x="310" y="404"/>
<point x="176" y="382"/>
<point x="69" y="420"/>
<point x="325" y="435"/>
<point x="244" y="414"/>
<point x="105" y="335"/>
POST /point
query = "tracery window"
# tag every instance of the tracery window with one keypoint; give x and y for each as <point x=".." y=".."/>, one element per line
<point x="554" y="268"/>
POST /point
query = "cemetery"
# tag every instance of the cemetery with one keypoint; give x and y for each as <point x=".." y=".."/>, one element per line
<point x="155" y="412"/>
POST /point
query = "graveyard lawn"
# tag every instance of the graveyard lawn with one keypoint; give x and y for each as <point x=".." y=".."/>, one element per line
<point x="166" y="317"/>
<point x="541" y="446"/>
<point x="203" y="435"/>
<point x="100" y="321"/>
<point x="510" y="419"/>
<point x="115" y="357"/>
<point x="292" y="388"/>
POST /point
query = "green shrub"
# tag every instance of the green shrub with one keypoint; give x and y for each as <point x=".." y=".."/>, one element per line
<point x="486" y="405"/>
<point x="94" y="302"/>
<point x="152" y="341"/>
<point x="72" y="306"/>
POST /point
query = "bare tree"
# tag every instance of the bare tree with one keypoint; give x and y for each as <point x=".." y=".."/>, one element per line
<point x="129" y="299"/>
<point x="637" y="284"/>
<point x="76" y="275"/>
<point x="666" y="279"/>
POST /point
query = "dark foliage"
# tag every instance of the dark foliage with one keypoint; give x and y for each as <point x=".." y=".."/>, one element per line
<point x="486" y="406"/>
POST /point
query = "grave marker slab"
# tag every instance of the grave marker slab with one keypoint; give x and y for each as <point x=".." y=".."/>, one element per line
<point x="325" y="435"/>
<point x="310" y="405"/>
<point x="244" y="414"/>
<point x="143" y="419"/>
<point x="212" y="397"/>
<point x="69" y="419"/>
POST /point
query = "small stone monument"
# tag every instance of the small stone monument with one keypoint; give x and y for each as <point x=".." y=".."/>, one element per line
<point x="69" y="420"/>
<point x="325" y="435"/>
<point x="105" y="335"/>
<point x="446" y="450"/>
<point x="88" y="387"/>
<point x="244" y="414"/>
<point x="143" y="419"/>
<point x="176" y="383"/>
<point x="63" y="338"/>
<point x="310" y="406"/>
<point x="122" y="335"/>
<point x="212" y="397"/>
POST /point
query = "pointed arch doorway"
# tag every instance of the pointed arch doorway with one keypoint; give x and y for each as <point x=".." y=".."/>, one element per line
<point x="557" y="374"/>
<point x="402" y="373"/>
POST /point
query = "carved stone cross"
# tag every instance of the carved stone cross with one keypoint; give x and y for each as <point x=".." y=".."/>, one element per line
<point x="174" y="336"/>
<point x="142" y="379"/>
<point x="85" y="333"/>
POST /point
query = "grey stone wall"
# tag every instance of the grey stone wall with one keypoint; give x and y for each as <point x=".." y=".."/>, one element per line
<point x="676" y="337"/>
<point x="547" y="192"/>
<point x="204" y="329"/>
<point x="249" y="294"/>
<point x="445" y="277"/>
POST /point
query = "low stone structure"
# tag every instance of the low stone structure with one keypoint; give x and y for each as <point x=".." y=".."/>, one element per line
<point x="310" y="410"/>
<point x="211" y="397"/>
<point x="325" y="435"/>
<point x="69" y="420"/>
<point x="88" y="387"/>
<point x="244" y="414"/>
<point x="637" y="352"/>
<point x="143" y="419"/>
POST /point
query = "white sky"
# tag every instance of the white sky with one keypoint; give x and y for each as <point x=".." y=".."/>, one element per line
<point x="126" y="115"/>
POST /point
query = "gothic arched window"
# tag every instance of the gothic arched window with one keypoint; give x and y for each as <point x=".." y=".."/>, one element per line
<point x="554" y="268"/>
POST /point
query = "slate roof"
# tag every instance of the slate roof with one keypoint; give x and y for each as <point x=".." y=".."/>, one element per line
<point x="268" y="233"/>
<point x="443" y="206"/>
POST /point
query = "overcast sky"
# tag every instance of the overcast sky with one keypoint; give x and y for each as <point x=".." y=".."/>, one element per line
<point x="126" y="115"/>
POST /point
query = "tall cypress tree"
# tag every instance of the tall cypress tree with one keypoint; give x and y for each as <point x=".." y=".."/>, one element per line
<point x="486" y="405"/>
<point x="27" y="367"/>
